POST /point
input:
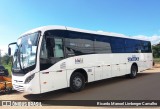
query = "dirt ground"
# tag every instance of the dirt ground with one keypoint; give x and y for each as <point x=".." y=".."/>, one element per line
<point x="156" y="68"/>
<point x="14" y="96"/>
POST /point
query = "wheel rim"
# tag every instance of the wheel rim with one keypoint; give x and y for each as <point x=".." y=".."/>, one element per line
<point x="77" y="82"/>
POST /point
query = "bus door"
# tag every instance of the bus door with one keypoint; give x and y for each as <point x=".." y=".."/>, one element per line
<point x="52" y="69"/>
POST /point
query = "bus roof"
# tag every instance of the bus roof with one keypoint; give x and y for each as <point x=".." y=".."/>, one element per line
<point x="52" y="27"/>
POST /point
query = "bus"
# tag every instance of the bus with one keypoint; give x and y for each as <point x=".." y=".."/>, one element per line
<point x="54" y="57"/>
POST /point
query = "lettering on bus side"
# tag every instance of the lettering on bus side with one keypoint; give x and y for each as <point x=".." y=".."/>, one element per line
<point x="78" y="60"/>
<point x="133" y="58"/>
<point x="63" y="65"/>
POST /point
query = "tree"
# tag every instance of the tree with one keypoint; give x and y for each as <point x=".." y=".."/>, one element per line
<point x="6" y="59"/>
<point x="156" y="51"/>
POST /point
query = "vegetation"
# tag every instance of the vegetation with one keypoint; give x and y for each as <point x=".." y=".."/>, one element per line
<point x="7" y="63"/>
<point x="157" y="60"/>
<point x="156" y="51"/>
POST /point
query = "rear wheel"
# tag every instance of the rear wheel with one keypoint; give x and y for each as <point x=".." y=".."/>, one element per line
<point x="77" y="82"/>
<point x="134" y="71"/>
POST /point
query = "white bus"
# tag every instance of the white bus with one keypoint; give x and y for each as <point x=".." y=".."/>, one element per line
<point x="55" y="57"/>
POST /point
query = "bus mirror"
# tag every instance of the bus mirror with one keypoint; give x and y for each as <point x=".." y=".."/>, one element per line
<point x="9" y="51"/>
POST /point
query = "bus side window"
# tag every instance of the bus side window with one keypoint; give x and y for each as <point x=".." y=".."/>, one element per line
<point x="51" y="52"/>
<point x="102" y="44"/>
<point x="78" y="43"/>
<point x="58" y="48"/>
<point x="54" y="47"/>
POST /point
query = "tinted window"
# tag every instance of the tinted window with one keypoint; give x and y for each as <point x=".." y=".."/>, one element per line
<point x="53" y="43"/>
<point x="52" y="48"/>
<point x="102" y="44"/>
<point x="146" y="47"/>
<point x="149" y="47"/>
<point x="132" y="46"/>
<point x="117" y="45"/>
<point x="137" y="46"/>
<point x="58" y="49"/>
<point x="78" y="44"/>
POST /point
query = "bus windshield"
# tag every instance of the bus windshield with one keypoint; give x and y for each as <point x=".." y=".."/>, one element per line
<point x="25" y="53"/>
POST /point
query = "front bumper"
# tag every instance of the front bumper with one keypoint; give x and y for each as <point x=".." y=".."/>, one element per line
<point x="33" y="87"/>
<point x="22" y="88"/>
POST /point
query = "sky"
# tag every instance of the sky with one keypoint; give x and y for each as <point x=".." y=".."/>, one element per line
<point x="133" y="18"/>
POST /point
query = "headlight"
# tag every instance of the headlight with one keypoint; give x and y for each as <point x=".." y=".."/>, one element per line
<point x="28" y="79"/>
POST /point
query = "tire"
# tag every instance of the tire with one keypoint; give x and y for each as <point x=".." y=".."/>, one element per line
<point x="153" y="63"/>
<point x="77" y="82"/>
<point x="134" y="71"/>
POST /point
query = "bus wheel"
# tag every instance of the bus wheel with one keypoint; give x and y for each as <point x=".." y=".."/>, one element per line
<point x="77" y="82"/>
<point x="133" y="73"/>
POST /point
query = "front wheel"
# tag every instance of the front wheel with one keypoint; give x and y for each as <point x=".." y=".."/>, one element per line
<point x="77" y="82"/>
<point x="134" y="71"/>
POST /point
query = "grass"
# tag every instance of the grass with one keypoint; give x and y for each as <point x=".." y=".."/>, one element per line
<point x="156" y="60"/>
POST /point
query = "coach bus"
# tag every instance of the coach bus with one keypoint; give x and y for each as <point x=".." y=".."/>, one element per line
<point x="54" y="57"/>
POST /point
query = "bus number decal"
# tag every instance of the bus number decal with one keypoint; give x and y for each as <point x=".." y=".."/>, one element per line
<point x="78" y="60"/>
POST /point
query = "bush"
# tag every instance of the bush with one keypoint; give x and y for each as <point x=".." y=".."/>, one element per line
<point x="156" y="51"/>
